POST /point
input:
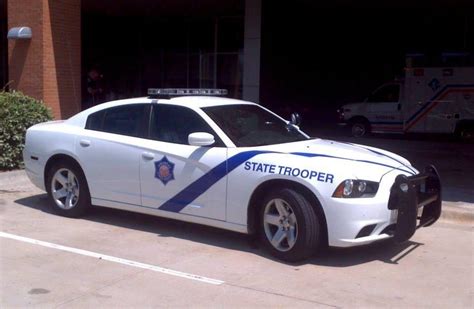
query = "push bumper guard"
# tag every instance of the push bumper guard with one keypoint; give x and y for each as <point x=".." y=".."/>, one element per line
<point x="408" y="195"/>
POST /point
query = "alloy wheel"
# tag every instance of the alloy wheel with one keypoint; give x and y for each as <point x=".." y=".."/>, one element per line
<point x="280" y="224"/>
<point x="65" y="188"/>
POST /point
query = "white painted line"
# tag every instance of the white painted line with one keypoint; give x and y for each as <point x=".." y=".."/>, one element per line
<point x="113" y="259"/>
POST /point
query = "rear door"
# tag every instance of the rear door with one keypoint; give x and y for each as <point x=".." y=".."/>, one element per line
<point x="109" y="153"/>
<point x="177" y="177"/>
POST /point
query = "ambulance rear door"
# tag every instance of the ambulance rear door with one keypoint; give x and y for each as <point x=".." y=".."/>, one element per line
<point x="436" y="98"/>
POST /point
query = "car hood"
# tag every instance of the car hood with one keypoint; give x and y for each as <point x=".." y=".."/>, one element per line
<point x="345" y="151"/>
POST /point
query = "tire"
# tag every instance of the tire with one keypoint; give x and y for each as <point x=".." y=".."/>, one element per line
<point x="359" y="128"/>
<point x="68" y="190"/>
<point x="466" y="133"/>
<point x="293" y="233"/>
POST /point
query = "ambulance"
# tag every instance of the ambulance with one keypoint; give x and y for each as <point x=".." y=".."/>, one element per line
<point x="431" y="98"/>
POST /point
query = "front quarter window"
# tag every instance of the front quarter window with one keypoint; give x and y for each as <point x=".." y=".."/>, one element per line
<point x="250" y="125"/>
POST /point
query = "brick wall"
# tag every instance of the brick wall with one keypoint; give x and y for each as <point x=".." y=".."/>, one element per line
<point x="25" y="63"/>
<point x="48" y="66"/>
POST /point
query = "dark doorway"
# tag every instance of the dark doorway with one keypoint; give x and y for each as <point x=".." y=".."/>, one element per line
<point x="135" y="49"/>
<point x="318" y="56"/>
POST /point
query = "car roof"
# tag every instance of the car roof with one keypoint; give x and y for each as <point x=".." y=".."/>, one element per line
<point x="187" y="101"/>
<point x="203" y="101"/>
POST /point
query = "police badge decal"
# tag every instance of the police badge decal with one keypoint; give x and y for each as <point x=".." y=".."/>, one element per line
<point x="164" y="170"/>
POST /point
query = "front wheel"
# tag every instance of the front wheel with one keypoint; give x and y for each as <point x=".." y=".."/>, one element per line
<point x="290" y="228"/>
<point x="466" y="134"/>
<point x="68" y="190"/>
<point x="360" y="128"/>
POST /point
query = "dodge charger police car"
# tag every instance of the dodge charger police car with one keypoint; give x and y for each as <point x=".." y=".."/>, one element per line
<point x="191" y="155"/>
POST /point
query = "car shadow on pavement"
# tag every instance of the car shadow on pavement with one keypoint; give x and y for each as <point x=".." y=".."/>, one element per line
<point x="385" y="251"/>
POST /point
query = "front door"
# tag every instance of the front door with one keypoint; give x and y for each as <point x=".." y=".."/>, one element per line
<point x="384" y="109"/>
<point x="180" y="178"/>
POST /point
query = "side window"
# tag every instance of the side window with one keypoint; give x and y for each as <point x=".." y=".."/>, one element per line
<point x="125" y="120"/>
<point x="94" y="121"/>
<point x="388" y="93"/>
<point x="173" y="124"/>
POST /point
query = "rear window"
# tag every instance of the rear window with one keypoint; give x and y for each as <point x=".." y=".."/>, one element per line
<point x="124" y="120"/>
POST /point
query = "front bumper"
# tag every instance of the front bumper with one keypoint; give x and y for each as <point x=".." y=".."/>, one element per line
<point x="392" y="213"/>
<point x="418" y="201"/>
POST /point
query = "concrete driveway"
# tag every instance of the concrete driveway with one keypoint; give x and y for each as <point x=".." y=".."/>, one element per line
<point x="434" y="269"/>
<point x="114" y="258"/>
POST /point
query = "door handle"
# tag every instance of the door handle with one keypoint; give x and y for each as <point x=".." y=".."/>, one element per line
<point x="85" y="143"/>
<point x="148" y="156"/>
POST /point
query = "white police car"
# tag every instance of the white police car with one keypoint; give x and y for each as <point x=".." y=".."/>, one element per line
<point x="230" y="164"/>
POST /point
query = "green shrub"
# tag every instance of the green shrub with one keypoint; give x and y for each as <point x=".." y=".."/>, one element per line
<point x="18" y="112"/>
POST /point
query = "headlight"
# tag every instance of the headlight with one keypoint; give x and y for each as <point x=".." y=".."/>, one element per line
<point x="352" y="188"/>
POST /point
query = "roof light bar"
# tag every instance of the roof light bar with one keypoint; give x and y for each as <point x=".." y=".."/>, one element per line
<point x="186" y="91"/>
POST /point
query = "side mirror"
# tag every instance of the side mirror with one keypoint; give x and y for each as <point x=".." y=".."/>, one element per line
<point x="295" y="119"/>
<point x="200" y="139"/>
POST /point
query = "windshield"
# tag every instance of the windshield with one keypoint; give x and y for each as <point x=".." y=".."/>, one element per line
<point x="250" y="125"/>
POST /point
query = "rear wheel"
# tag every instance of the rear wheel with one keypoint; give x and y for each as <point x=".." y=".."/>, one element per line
<point x="290" y="228"/>
<point x="68" y="190"/>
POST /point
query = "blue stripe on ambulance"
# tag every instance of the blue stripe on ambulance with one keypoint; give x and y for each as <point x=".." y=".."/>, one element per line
<point x="424" y="106"/>
<point x="433" y="99"/>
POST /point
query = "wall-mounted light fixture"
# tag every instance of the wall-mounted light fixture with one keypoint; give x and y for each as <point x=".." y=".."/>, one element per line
<point x="19" y="33"/>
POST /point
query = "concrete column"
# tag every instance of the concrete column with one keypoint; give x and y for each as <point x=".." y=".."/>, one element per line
<point x="252" y="38"/>
<point x="47" y="67"/>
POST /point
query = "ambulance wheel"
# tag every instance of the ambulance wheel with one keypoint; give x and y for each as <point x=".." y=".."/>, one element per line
<point x="467" y="135"/>
<point x="290" y="228"/>
<point x="466" y="132"/>
<point x="359" y="128"/>
<point x="68" y="190"/>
